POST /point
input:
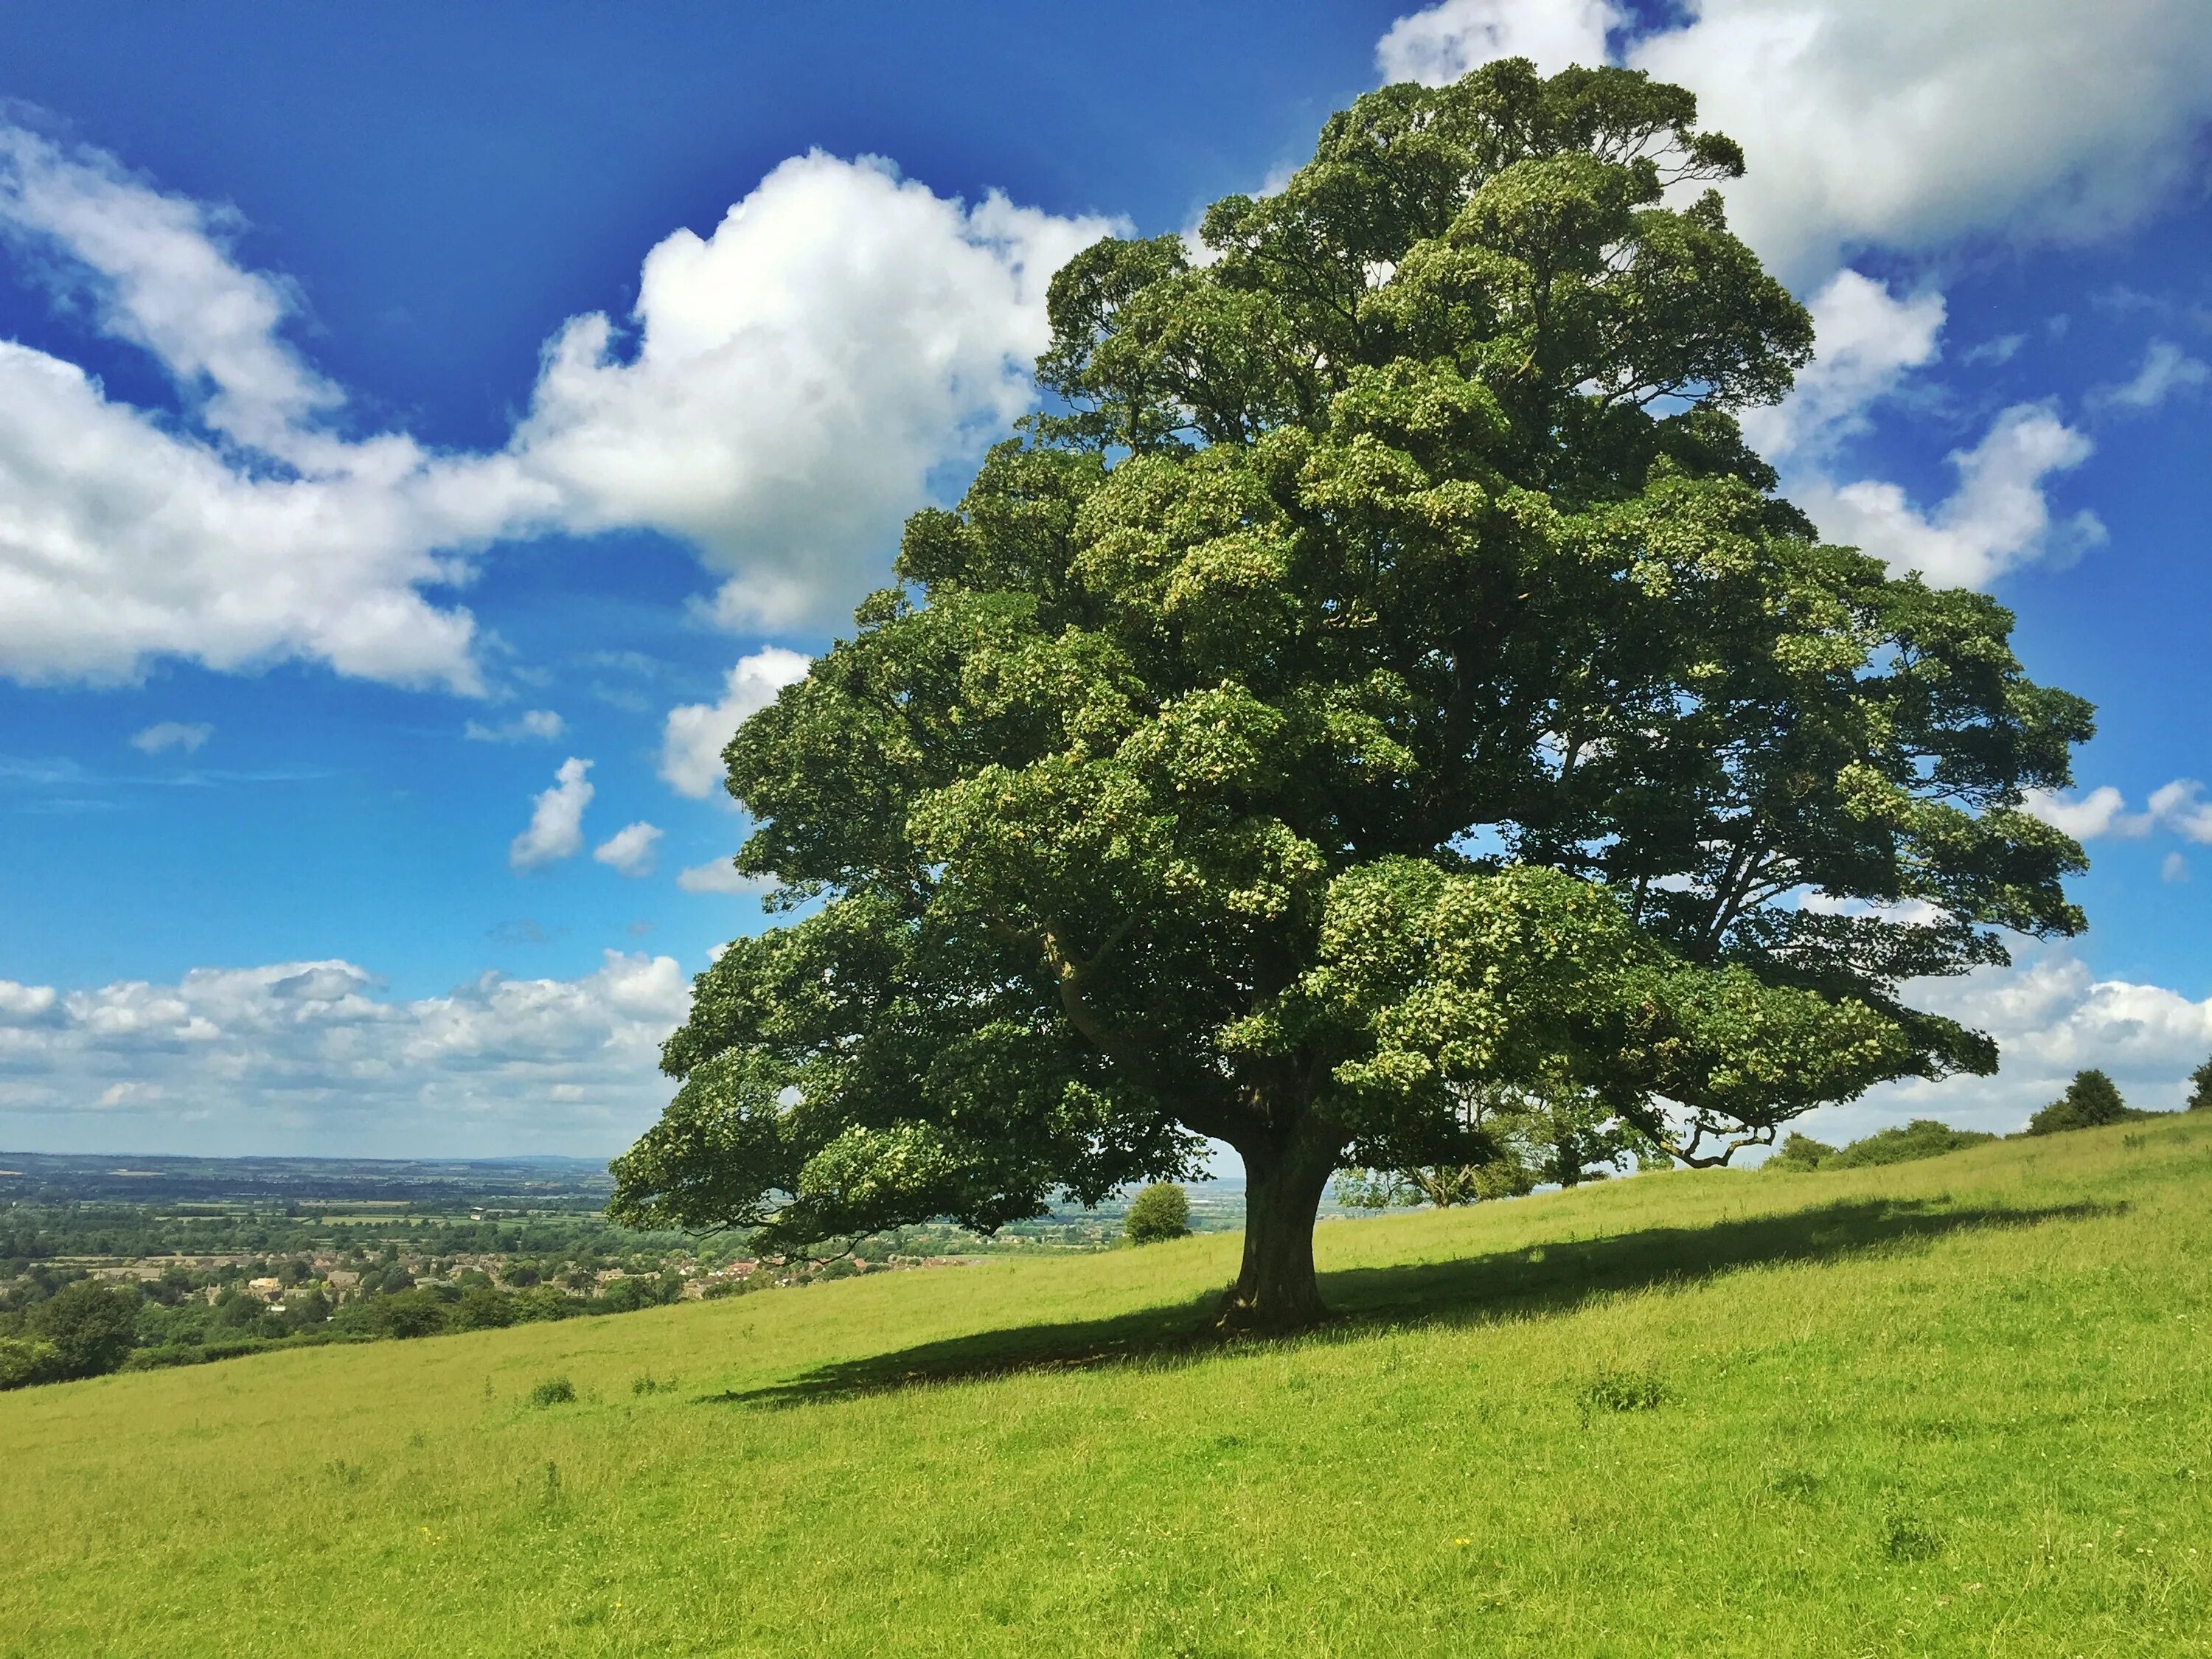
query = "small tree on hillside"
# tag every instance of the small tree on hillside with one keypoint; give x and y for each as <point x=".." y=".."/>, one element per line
<point x="1386" y="679"/>
<point x="2091" y="1100"/>
<point x="1161" y="1212"/>
<point x="90" y="1325"/>
<point x="2200" y="1088"/>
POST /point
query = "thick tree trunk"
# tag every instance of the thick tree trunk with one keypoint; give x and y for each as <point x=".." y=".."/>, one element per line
<point x="1284" y="1179"/>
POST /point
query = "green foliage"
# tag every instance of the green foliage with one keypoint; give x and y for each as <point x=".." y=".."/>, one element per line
<point x="1622" y="1390"/>
<point x="25" y="1360"/>
<point x="1921" y="1138"/>
<point x="1161" y="1212"/>
<point x="2091" y="1100"/>
<point x="1154" y="804"/>
<point x="553" y="1391"/>
<point x="2200" y="1088"/>
<point x="1799" y="1153"/>
<point x="89" y="1326"/>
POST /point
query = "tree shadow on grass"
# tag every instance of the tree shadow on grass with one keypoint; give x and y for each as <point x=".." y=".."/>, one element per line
<point x="1550" y="1278"/>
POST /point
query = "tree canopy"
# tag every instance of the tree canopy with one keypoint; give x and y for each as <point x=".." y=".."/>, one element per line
<point x="1381" y="688"/>
<point x="2091" y="1100"/>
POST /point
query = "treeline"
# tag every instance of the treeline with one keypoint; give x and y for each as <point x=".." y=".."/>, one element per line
<point x="63" y="1326"/>
<point x="2091" y="1100"/>
<point x="39" y="1232"/>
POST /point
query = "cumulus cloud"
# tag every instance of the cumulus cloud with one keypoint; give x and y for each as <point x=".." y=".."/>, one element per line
<point x="1998" y="518"/>
<point x="556" y="819"/>
<point x="2051" y="1017"/>
<point x="171" y="734"/>
<point x="532" y="725"/>
<point x="695" y="735"/>
<point x="1868" y="340"/>
<point x="796" y="376"/>
<point x="2099" y="813"/>
<point x="1444" y="42"/>
<point x="2166" y="369"/>
<point x="1891" y="123"/>
<point x="778" y="399"/>
<point x="630" y="851"/>
<point x="1899" y="124"/>
<point x="2179" y="806"/>
<point x="312" y="1053"/>
<point x="719" y="877"/>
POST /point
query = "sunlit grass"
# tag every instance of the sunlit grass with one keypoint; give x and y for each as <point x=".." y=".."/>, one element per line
<point x="1957" y="1406"/>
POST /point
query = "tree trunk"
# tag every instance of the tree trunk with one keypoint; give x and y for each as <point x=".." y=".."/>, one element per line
<point x="1284" y="1179"/>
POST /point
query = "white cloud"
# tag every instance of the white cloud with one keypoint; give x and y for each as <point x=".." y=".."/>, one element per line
<point x="1911" y="125"/>
<point x="2101" y="812"/>
<point x="20" y="1004"/>
<point x="2177" y="807"/>
<point x="793" y="380"/>
<point x="539" y="724"/>
<point x="556" y="819"/>
<point x="2051" y="1017"/>
<point x="797" y="374"/>
<point x="630" y="850"/>
<point x="171" y="734"/>
<point x="2166" y="369"/>
<point x="1997" y="519"/>
<point x="1868" y="340"/>
<point x="1444" y="42"/>
<point x="1994" y="353"/>
<point x="695" y="734"/>
<point x="719" y="877"/>
<point x="159" y="273"/>
<point x="313" y="1054"/>
<point x="2174" y="868"/>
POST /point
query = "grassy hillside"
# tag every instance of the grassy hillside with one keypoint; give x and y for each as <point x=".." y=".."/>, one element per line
<point x="1962" y="1406"/>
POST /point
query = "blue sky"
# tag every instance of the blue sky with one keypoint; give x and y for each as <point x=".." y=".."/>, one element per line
<point x="399" y="440"/>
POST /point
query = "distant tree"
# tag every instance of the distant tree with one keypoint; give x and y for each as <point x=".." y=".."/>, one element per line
<point x="2091" y="1100"/>
<point x="24" y="1360"/>
<point x="409" y="1313"/>
<point x="1534" y="1140"/>
<point x="305" y="1308"/>
<point x="2200" y="1088"/>
<point x="89" y="1324"/>
<point x="1922" y="1137"/>
<point x="1799" y="1152"/>
<point x="1161" y="1212"/>
<point x="482" y="1308"/>
<point x="1385" y="676"/>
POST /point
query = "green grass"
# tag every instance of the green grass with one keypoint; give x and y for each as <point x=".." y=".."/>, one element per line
<point x="1956" y="1406"/>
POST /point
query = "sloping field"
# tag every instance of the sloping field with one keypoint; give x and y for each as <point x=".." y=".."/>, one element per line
<point x="1960" y="1407"/>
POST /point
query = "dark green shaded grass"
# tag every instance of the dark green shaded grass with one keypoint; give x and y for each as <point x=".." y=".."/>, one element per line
<point x="1962" y="1406"/>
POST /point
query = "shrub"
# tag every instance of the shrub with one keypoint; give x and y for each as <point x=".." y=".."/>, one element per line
<point x="2200" y="1088"/>
<point x="2091" y="1100"/>
<point x="23" y="1362"/>
<point x="1621" y="1391"/>
<point x="1161" y="1211"/>
<point x="1798" y="1154"/>
<point x="1922" y="1138"/>
<point x="553" y="1391"/>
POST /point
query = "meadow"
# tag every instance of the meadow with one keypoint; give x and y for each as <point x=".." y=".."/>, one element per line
<point x="1962" y="1406"/>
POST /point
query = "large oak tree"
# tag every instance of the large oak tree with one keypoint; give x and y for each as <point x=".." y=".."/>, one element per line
<point x="1383" y="685"/>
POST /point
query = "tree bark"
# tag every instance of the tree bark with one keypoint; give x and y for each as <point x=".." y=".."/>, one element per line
<point x="1284" y="1176"/>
